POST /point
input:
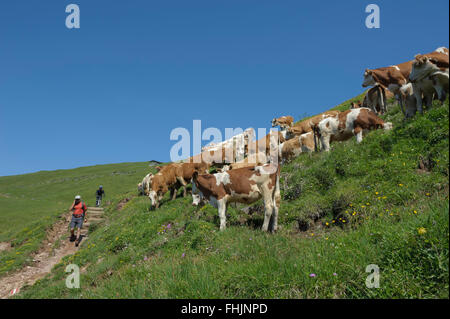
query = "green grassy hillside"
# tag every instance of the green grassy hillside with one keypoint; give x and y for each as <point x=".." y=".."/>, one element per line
<point x="341" y="211"/>
<point x="30" y="203"/>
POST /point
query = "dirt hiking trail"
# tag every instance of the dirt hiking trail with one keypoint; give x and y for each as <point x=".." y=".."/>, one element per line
<point x="53" y="249"/>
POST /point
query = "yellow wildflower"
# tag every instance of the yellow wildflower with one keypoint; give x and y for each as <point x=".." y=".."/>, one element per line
<point x="421" y="231"/>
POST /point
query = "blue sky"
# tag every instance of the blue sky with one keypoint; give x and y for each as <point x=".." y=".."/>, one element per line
<point x="113" y="90"/>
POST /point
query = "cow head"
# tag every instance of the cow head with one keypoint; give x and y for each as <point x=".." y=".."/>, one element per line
<point x="368" y="78"/>
<point x="387" y="126"/>
<point x="196" y="193"/>
<point x="156" y="194"/>
<point x="291" y="132"/>
<point x="421" y="68"/>
<point x="154" y="198"/>
<point x="140" y="188"/>
<point x="356" y="105"/>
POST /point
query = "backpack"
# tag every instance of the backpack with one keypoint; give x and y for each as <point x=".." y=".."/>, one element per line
<point x="84" y="208"/>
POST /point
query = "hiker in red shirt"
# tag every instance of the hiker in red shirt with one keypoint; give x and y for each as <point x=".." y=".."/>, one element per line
<point x="78" y="209"/>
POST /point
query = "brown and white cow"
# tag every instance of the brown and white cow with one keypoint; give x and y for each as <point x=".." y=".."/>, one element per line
<point x="348" y="124"/>
<point x="392" y="77"/>
<point x="243" y="185"/>
<point x="376" y="99"/>
<point x="162" y="182"/>
<point x="307" y="125"/>
<point x="283" y="122"/>
<point x="171" y="177"/>
<point x="295" y="146"/>
<point x="431" y="70"/>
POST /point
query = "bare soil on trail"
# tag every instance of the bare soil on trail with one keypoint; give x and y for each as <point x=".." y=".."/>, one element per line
<point x="122" y="203"/>
<point x="56" y="246"/>
<point x="5" y="246"/>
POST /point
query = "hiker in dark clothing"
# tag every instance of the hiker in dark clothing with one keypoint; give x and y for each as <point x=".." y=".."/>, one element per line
<point x="99" y="194"/>
<point x="78" y="209"/>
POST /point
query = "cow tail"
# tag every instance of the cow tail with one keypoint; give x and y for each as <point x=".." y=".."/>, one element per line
<point x="276" y="191"/>
<point x="316" y="137"/>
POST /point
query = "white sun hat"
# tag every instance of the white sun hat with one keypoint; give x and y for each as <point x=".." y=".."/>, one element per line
<point x="78" y="197"/>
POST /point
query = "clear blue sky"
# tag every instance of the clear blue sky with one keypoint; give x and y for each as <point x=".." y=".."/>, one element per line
<point x="113" y="90"/>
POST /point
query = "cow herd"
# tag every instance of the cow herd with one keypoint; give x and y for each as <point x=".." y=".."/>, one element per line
<point x="413" y="83"/>
<point x="247" y="169"/>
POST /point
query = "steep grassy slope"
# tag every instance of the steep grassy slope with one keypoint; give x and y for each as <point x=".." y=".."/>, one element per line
<point x="30" y="203"/>
<point x="341" y="211"/>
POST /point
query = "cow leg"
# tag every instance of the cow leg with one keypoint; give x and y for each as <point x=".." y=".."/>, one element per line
<point x="443" y="96"/>
<point x="316" y="142"/>
<point x="383" y="102"/>
<point x="419" y="99"/>
<point x="441" y="87"/>
<point x="184" y="184"/>
<point x="440" y="93"/>
<point x="325" y="141"/>
<point x="274" y="225"/>
<point x="276" y="205"/>
<point x="222" y="207"/>
<point x="400" y="102"/>
<point x="359" y="134"/>
<point x="429" y="100"/>
<point x="158" y="200"/>
<point x="268" y="209"/>
<point x="173" y="193"/>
